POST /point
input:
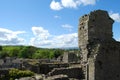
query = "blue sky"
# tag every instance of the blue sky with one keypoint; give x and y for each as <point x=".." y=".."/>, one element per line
<point x="49" y="23"/>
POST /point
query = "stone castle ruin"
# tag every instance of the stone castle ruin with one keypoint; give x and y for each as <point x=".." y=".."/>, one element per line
<point x="100" y="52"/>
<point x="98" y="59"/>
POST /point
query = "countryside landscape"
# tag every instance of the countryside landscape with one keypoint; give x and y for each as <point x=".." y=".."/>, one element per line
<point x="59" y="40"/>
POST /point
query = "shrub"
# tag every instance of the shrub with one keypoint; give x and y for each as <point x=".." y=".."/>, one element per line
<point x="15" y="73"/>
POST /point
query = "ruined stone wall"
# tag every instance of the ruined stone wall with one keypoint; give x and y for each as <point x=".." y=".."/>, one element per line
<point x="100" y="26"/>
<point x="107" y="62"/>
<point x="104" y="62"/>
<point x="83" y="35"/>
<point x="70" y="72"/>
<point x="69" y="57"/>
<point x="100" y="52"/>
<point x="47" y="67"/>
<point x="83" y="30"/>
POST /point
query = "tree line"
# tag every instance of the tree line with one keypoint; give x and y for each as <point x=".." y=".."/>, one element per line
<point x="29" y="52"/>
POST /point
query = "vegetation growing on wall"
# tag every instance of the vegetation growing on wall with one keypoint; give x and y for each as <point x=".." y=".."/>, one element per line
<point x="16" y="74"/>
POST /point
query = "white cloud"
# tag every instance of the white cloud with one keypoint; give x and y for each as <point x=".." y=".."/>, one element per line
<point x="65" y="40"/>
<point x="57" y="17"/>
<point x="67" y="26"/>
<point x="40" y="32"/>
<point x="88" y="2"/>
<point x="55" y="5"/>
<point x="40" y="36"/>
<point x="70" y="4"/>
<point x="115" y="16"/>
<point x="118" y="39"/>
<point x="8" y="37"/>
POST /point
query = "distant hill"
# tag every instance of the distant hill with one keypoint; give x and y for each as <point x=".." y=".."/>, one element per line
<point x="70" y="48"/>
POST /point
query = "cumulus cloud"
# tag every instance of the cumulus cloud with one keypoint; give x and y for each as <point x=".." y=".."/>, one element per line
<point x="115" y="16"/>
<point x="40" y="36"/>
<point x="55" y="5"/>
<point x="70" y="4"/>
<point x="118" y="39"/>
<point x="67" y="26"/>
<point x="88" y="2"/>
<point x="9" y="37"/>
<point x="66" y="40"/>
<point x="52" y="41"/>
<point x="40" y="32"/>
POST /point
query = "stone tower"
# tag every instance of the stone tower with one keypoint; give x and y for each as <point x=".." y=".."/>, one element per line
<point x="100" y="52"/>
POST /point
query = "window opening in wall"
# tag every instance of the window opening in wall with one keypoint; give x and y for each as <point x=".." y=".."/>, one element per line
<point x="107" y="50"/>
<point x="81" y="23"/>
<point x="85" y="14"/>
<point x="100" y="64"/>
<point x="83" y="27"/>
<point x="118" y="76"/>
<point x="91" y="26"/>
<point x="80" y="28"/>
<point x="93" y="20"/>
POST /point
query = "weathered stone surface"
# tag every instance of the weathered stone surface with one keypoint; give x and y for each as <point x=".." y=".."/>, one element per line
<point x="58" y="77"/>
<point x="75" y="72"/>
<point x="27" y="78"/>
<point x="100" y="52"/>
<point x="47" y="67"/>
<point x="70" y="57"/>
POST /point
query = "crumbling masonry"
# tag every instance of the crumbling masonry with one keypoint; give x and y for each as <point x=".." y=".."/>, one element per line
<point x="100" y="52"/>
